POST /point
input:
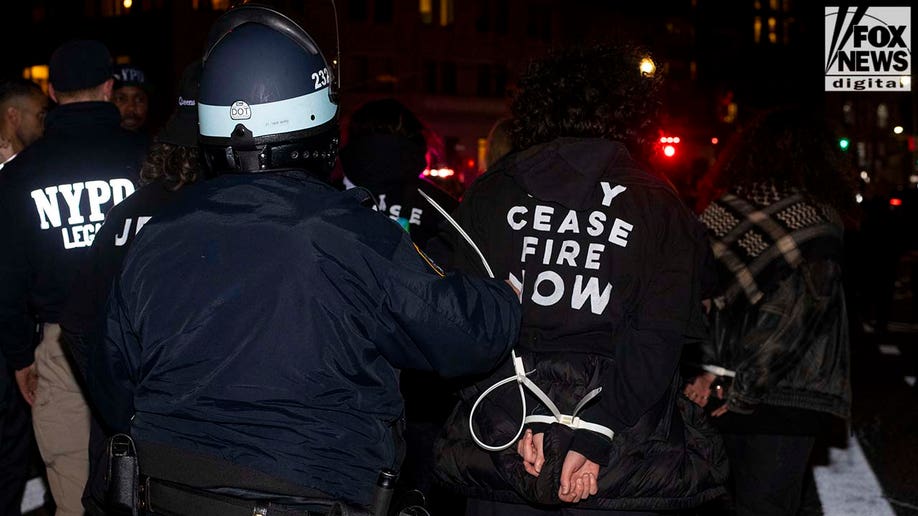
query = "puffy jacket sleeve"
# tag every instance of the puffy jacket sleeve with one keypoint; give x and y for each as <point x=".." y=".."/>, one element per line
<point x="457" y="324"/>
<point x="114" y="365"/>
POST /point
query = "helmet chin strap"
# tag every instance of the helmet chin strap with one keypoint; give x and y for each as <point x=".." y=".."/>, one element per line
<point x="247" y="160"/>
<point x="315" y="156"/>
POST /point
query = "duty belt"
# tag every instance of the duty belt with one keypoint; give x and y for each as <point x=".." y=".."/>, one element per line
<point x="163" y="497"/>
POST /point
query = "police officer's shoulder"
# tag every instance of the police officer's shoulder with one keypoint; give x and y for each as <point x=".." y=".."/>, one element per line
<point x="361" y="195"/>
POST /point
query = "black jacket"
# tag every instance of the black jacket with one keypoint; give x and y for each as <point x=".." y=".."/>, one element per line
<point x="261" y="321"/>
<point x="608" y="260"/>
<point x="780" y="321"/>
<point x="86" y="305"/>
<point x="390" y="166"/>
<point x="53" y="199"/>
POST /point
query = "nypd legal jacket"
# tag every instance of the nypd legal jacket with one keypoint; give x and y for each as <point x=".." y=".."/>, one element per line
<point x="53" y="199"/>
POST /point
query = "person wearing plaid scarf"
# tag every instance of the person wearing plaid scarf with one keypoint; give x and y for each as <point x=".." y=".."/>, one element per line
<point x="778" y="313"/>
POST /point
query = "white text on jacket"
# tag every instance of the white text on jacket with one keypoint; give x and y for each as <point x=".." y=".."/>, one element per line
<point x="79" y="228"/>
<point x="548" y="287"/>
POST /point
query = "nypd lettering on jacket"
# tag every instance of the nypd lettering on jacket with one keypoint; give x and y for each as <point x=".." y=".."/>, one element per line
<point x="78" y="209"/>
<point x="555" y="251"/>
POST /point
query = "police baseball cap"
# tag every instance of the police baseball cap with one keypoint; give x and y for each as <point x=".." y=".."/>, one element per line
<point x="130" y="75"/>
<point x="79" y="64"/>
<point x="182" y="127"/>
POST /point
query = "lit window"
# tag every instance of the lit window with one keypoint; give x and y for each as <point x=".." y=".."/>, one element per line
<point x="446" y="12"/>
<point x="773" y="4"/>
<point x="482" y="154"/>
<point x="114" y="8"/>
<point x="772" y="34"/>
<point x="848" y="113"/>
<point x="37" y="74"/>
<point x="730" y="115"/>
<point x="220" y="5"/>
<point x="882" y="116"/>
<point x="426" y="9"/>
<point x="757" y="29"/>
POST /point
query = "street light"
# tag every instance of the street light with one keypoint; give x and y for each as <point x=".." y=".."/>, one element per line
<point x="898" y="129"/>
<point x="647" y="67"/>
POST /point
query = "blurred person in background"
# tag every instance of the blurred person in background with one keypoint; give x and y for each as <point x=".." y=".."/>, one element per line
<point x="385" y="152"/>
<point x="131" y="93"/>
<point x="500" y="143"/>
<point x="22" y="121"/>
<point x="779" y="319"/>
<point x="23" y="107"/>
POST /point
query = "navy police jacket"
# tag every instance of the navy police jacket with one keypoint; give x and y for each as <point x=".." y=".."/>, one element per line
<point x="607" y="259"/>
<point x="260" y="321"/>
<point x="53" y="199"/>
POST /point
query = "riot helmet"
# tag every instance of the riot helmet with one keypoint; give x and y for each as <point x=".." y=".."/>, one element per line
<point x="267" y="99"/>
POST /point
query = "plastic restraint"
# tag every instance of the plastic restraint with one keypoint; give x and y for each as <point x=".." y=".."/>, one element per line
<point x="521" y="376"/>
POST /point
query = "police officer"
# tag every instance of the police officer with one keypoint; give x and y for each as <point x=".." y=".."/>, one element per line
<point x="53" y="198"/>
<point x="256" y="331"/>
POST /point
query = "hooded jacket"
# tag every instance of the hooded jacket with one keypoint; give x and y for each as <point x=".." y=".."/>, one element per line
<point x="259" y="324"/>
<point x="607" y="259"/>
<point x="390" y="166"/>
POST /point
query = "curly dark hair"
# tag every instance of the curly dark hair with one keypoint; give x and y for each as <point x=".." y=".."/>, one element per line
<point x="596" y="91"/>
<point x="174" y="165"/>
<point x="790" y="146"/>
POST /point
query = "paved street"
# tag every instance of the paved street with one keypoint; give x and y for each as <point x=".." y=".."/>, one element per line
<point x="885" y="411"/>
